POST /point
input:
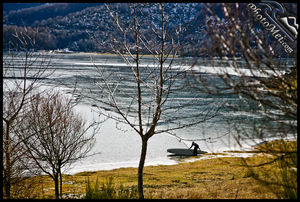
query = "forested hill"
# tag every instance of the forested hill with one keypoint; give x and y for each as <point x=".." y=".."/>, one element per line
<point x="7" y="7"/>
<point x="72" y="25"/>
<point x="66" y="25"/>
<point x="29" y="13"/>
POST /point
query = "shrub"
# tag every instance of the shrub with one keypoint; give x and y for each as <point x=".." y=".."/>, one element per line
<point x="109" y="190"/>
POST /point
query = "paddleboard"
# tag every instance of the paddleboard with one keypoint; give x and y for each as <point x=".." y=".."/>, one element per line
<point x="184" y="152"/>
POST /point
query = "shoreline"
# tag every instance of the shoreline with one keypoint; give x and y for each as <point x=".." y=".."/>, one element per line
<point x="96" y="53"/>
<point x="234" y="152"/>
<point x="212" y="178"/>
<point x="179" y="160"/>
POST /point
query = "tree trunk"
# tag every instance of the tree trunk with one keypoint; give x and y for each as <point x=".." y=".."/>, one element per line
<point x="141" y="167"/>
<point x="56" y="186"/>
<point x="7" y="180"/>
<point x="7" y="170"/>
<point x="60" y="183"/>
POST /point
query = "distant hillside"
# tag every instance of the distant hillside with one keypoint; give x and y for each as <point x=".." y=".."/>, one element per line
<point x="78" y="26"/>
<point x="66" y="25"/>
<point x="7" y="7"/>
<point x="28" y="13"/>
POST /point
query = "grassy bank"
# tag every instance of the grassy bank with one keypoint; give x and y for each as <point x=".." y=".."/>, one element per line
<point x="215" y="178"/>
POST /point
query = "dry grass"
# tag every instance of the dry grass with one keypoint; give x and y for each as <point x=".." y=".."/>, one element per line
<point x="217" y="178"/>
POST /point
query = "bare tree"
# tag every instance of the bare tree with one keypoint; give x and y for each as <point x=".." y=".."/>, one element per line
<point x="154" y="104"/>
<point x="259" y="71"/>
<point x="54" y="135"/>
<point x="20" y="79"/>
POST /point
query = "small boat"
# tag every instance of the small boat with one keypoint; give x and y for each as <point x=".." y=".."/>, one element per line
<point x="184" y="151"/>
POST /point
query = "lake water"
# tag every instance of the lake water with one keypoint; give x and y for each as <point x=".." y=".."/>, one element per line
<point x="119" y="145"/>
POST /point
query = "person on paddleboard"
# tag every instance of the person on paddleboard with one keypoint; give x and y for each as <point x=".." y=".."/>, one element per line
<point x="196" y="147"/>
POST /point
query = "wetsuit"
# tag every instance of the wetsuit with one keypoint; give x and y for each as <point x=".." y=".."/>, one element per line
<point x="196" y="146"/>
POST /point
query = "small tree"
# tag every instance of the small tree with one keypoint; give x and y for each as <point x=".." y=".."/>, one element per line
<point x="19" y="80"/>
<point x="153" y="105"/>
<point x="54" y="136"/>
<point x="256" y="69"/>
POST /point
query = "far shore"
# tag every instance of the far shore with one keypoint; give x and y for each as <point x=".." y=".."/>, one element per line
<point x="97" y="53"/>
